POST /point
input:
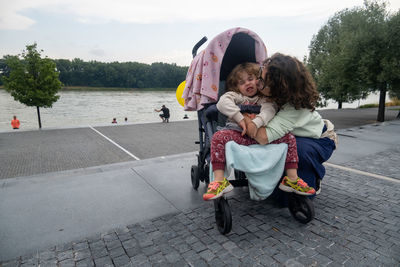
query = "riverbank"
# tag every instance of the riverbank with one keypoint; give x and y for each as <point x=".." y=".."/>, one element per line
<point x="90" y="88"/>
<point x="77" y="108"/>
<point x="82" y="108"/>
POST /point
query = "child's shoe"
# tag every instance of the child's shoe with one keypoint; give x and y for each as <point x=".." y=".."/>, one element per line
<point x="299" y="187"/>
<point x="217" y="189"/>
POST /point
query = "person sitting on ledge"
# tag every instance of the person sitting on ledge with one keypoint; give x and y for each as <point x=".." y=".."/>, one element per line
<point x="15" y="123"/>
<point x="165" y="113"/>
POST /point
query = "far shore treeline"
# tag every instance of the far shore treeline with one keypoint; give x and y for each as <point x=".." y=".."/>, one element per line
<point x="77" y="73"/>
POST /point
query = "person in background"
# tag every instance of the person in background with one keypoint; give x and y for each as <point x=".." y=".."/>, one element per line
<point x="126" y="119"/>
<point x="165" y="113"/>
<point x="15" y="123"/>
<point x="114" y="120"/>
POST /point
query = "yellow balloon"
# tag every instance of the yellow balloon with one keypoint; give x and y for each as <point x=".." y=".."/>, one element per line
<point x="179" y="93"/>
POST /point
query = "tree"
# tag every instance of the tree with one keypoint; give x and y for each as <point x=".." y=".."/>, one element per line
<point x="333" y="59"/>
<point x="4" y="68"/>
<point x="356" y="53"/>
<point x="126" y="74"/>
<point x="372" y="44"/>
<point x="32" y="80"/>
<point x="391" y="63"/>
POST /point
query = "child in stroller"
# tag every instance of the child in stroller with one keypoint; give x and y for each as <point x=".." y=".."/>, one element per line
<point x="242" y="86"/>
<point x="205" y="83"/>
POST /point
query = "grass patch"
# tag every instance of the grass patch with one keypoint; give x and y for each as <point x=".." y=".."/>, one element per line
<point x="369" y="106"/>
<point x="89" y="88"/>
<point x="393" y="102"/>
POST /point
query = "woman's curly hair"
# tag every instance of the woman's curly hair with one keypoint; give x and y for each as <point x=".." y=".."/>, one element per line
<point x="290" y="82"/>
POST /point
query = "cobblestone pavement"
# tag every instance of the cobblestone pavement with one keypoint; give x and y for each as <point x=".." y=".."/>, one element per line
<point x="24" y="153"/>
<point x="357" y="223"/>
<point x="35" y="152"/>
<point x="384" y="163"/>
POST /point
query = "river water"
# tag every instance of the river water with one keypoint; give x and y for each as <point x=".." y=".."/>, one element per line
<point x="83" y="108"/>
<point x="95" y="108"/>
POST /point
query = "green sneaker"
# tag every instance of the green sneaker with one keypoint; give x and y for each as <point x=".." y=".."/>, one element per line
<point x="217" y="189"/>
<point x="299" y="187"/>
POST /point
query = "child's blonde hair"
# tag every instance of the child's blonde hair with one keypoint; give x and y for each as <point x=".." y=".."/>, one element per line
<point x="234" y="77"/>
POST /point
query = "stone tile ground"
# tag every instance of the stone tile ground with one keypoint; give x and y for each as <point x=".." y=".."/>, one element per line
<point x="385" y="163"/>
<point x="357" y="223"/>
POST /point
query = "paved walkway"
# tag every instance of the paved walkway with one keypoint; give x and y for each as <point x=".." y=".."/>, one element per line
<point x="25" y="153"/>
<point x="130" y="213"/>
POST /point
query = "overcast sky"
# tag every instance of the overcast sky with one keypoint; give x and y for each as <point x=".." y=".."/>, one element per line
<point x="158" y="30"/>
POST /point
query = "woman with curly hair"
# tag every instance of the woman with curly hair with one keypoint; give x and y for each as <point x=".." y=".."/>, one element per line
<point x="290" y="85"/>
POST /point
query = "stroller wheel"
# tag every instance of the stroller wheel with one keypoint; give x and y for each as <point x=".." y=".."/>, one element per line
<point x="301" y="208"/>
<point x="194" y="173"/>
<point x="223" y="216"/>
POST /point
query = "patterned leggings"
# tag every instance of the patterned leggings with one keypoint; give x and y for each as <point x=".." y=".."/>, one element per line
<point x="222" y="137"/>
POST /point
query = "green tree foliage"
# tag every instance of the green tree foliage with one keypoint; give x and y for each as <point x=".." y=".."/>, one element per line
<point x="77" y="72"/>
<point x="372" y="44"/>
<point x="354" y="54"/>
<point x="391" y="63"/>
<point x="4" y="68"/>
<point x="125" y="75"/>
<point x="329" y="59"/>
<point x="32" y="80"/>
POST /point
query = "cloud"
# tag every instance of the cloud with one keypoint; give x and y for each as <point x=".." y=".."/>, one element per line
<point x="14" y="21"/>
<point x="179" y="57"/>
<point x="10" y="17"/>
<point x="97" y="52"/>
<point x="161" y="11"/>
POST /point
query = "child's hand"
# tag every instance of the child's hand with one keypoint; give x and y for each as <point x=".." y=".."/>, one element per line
<point x="246" y="118"/>
<point x="242" y="124"/>
<point x="249" y="115"/>
<point x="251" y="129"/>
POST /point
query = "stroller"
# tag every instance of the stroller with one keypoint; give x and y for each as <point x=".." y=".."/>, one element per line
<point x="209" y="68"/>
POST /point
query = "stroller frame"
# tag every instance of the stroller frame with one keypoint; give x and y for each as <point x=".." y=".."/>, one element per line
<point x="301" y="207"/>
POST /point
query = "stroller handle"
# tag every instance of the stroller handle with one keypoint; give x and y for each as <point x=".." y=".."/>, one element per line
<point x="199" y="43"/>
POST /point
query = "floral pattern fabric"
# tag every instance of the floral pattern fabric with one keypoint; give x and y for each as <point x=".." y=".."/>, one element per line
<point x="202" y="79"/>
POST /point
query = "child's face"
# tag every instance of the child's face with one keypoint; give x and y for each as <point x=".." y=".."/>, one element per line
<point x="247" y="84"/>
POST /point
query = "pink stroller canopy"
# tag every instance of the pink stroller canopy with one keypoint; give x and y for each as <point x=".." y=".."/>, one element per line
<point x="213" y="64"/>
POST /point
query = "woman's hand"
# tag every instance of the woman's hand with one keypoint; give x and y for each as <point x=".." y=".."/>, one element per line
<point x="261" y="136"/>
<point x="246" y="118"/>
<point x="251" y="129"/>
<point x="250" y="125"/>
<point x="242" y="124"/>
